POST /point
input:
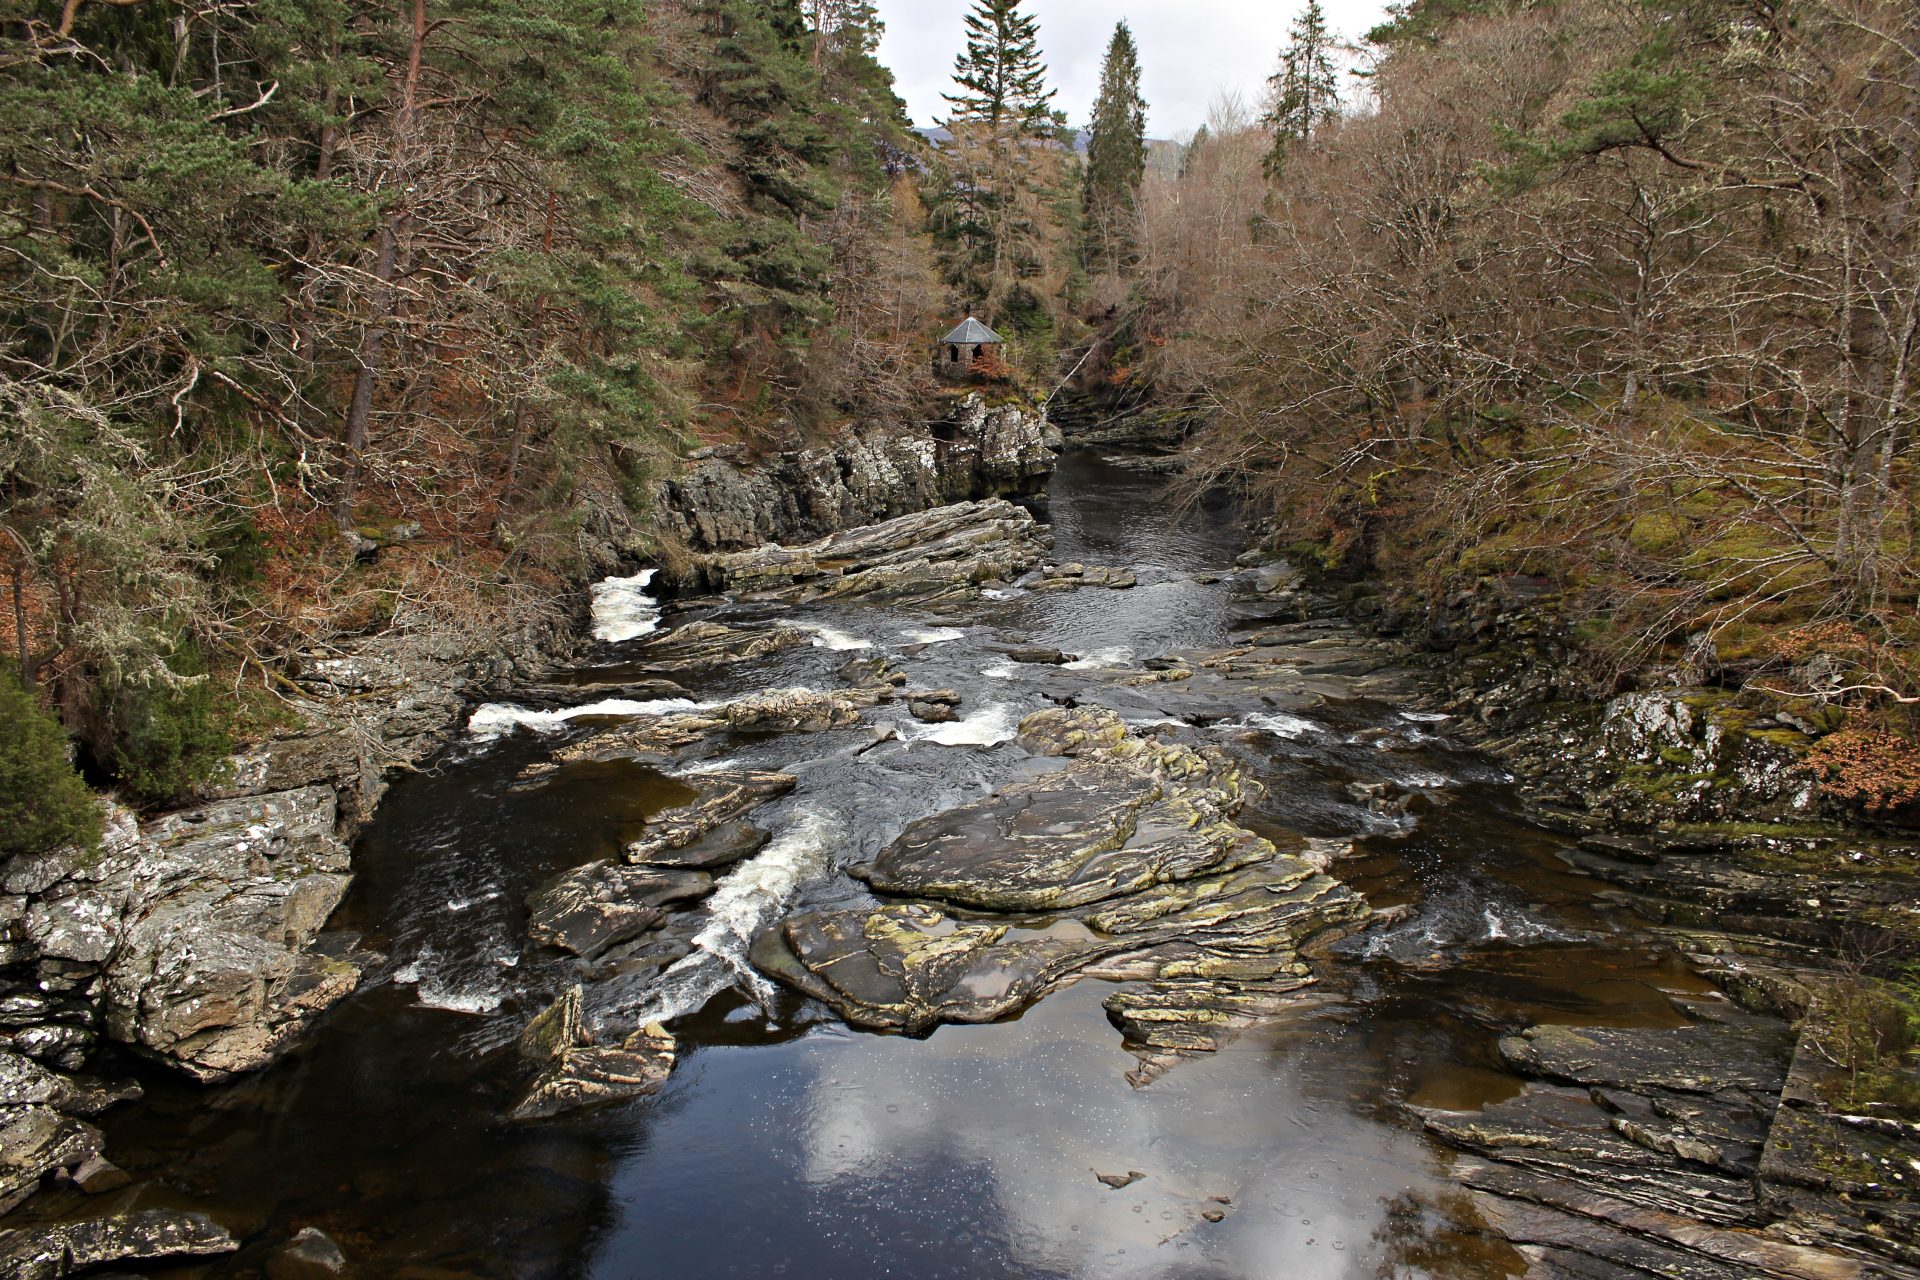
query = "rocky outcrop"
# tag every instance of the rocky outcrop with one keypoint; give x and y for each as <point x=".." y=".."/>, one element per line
<point x="42" y="1130"/>
<point x="728" y="500"/>
<point x="193" y="933"/>
<point x="1123" y="862"/>
<point x="931" y="558"/>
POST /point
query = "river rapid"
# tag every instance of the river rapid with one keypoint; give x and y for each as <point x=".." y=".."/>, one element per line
<point x="786" y="1144"/>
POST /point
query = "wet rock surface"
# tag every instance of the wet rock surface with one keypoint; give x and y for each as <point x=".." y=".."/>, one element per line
<point x="1123" y="861"/>
<point x="674" y="838"/>
<point x="137" y="1236"/>
<point x="570" y="1072"/>
<point x="600" y="906"/>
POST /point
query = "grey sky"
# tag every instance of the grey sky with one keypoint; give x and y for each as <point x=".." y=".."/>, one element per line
<point x="1190" y="50"/>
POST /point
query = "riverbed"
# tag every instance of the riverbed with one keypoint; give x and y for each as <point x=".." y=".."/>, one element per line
<point x="785" y="1143"/>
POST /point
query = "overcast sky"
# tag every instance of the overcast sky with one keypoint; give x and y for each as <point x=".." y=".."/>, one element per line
<point x="1190" y="50"/>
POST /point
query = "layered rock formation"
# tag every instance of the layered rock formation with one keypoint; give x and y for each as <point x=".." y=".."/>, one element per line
<point x="727" y="500"/>
<point x="1122" y="862"/>
<point x="929" y="558"/>
<point x="1702" y="1150"/>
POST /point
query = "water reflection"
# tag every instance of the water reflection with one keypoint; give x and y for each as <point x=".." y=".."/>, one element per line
<point x="977" y="1153"/>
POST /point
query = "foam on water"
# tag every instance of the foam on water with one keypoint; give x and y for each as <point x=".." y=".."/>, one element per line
<point x="455" y="999"/>
<point x="1282" y="725"/>
<point x="1425" y="717"/>
<point x="497" y="718"/>
<point x="825" y="637"/>
<point x="990" y="726"/>
<point x="998" y="671"/>
<point x="622" y="609"/>
<point x="934" y="635"/>
<point x="743" y="903"/>
<point x="1113" y="656"/>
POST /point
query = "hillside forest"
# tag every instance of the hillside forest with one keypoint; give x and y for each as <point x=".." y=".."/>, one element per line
<point x="323" y="318"/>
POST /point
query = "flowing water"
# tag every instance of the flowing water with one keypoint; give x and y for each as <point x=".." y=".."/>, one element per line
<point x="785" y="1144"/>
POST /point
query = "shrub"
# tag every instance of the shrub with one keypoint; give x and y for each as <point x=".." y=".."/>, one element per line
<point x="166" y="740"/>
<point x="1875" y="768"/>
<point x="43" y="802"/>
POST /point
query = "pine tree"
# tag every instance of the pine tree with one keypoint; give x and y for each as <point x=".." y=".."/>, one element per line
<point x="994" y="202"/>
<point x="1306" y="89"/>
<point x="1191" y="152"/>
<point x="1003" y="78"/>
<point x="1116" y="155"/>
<point x="43" y="802"/>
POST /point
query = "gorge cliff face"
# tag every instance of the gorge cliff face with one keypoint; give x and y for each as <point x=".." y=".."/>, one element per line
<point x="728" y="500"/>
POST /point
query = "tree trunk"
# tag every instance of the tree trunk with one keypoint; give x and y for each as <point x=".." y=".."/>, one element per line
<point x="373" y="342"/>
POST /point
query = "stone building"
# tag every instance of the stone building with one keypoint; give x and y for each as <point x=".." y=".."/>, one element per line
<point x="955" y="355"/>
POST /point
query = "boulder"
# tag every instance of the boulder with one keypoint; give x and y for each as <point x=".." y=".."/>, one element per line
<point x="602" y="905"/>
<point x="665" y="737"/>
<point x="933" y="706"/>
<point x="310" y="1255"/>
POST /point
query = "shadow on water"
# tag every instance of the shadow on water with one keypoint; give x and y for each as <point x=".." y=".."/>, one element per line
<point x="786" y="1145"/>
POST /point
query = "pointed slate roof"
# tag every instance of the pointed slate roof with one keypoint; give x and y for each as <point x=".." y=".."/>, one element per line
<point x="972" y="330"/>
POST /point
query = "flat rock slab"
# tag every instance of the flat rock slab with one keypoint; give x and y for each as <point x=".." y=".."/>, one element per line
<point x="911" y="967"/>
<point x="1195" y="1015"/>
<point x="1614" y="1237"/>
<point x="723" y="797"/>
<point x="144" y="1235"/>
<point x="1710" y="1058"/>
<point x="699" y="645"/>
<point x="1560" y="1132"/>
<point x="604" y="904"/>
<point x="930" y="557"/>
<point x="723" y="846"/>
<point x="668" y="736"/>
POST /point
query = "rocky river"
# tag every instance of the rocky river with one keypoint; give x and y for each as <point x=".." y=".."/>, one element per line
<point x="989" y="891"/>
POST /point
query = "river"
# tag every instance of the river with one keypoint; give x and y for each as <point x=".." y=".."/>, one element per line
<point x="785" y="1144"/>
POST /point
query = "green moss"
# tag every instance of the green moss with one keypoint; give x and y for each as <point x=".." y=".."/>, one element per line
<point x="1655" y="532"/>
